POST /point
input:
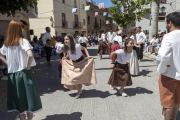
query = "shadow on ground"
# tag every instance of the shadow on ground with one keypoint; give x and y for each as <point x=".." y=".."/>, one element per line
<point x="93" y="52"/>
<point x="144" y="72"/>
<point x="134" y="91"/>
<point x="143" y="60"/>
<point x="73" y="116"/>
<point x="92" y="94"/>
<point x="148" y="66"/>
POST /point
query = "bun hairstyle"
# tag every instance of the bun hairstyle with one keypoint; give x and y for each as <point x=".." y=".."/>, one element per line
<point x="126" y="42"/>
<point x="72" y="45"/>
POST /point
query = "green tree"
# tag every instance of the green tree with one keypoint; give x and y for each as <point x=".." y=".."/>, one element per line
<point x="10" y="7"/>
<point x="132" y="10"/>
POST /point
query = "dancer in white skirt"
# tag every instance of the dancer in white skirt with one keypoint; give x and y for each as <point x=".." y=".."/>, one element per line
<point x="76" y="70"/>
<point x="133" y="63"/>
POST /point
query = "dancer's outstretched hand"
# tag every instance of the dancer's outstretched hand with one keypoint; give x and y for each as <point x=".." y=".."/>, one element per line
<point x="89" y="57"/>
<point x="112" y="65"/>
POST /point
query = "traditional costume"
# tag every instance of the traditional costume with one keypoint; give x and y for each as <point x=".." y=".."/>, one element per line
<point x="169" y="80"/>
<point x="102" y="46"/>
<point x="117" y="44"/>
<point x="83" y="41"/>
<point x="22" y="94"/>
<point x="110" y="37"/>
<point x="77" y="70"/>
<point x="133" y="63"/>
<point x="120" y="75"/>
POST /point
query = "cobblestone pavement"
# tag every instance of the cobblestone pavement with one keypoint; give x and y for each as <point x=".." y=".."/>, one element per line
<point x="98" y="102"/>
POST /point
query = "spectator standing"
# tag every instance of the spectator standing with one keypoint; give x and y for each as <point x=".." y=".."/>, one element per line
<point x="110" y="37"/>
<point x="48" y="48"/>
<point x="140" y="37"/>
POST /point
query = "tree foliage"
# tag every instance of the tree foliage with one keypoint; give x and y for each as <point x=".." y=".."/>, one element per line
<point x="10" y="7"/>
<point x="132" y="10"/>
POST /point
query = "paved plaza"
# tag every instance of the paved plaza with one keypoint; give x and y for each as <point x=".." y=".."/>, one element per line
<point x="98" y="102"/>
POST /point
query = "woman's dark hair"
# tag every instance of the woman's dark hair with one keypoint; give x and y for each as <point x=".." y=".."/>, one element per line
<point x="72" y="45"/>
<point x="102" y="31"/>
<point x="174" y="18"/>
<point x="82" y="34"/>
<point x="126" y="42"/>
<point x="155" y="35"/>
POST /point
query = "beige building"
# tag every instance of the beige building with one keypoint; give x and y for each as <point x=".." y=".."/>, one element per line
<point x="97" y="23"/>
<point x="57" y="14"/>
<point x="22" y="15"/>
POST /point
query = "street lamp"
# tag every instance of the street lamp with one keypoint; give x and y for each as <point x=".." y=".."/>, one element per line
<point x="163" y="9"/>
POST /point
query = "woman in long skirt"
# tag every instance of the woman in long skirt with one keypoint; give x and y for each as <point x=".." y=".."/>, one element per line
<point x="117" y="43"/>
<point x="76" y="70"/>
<point x="133" y="63"/>
<point x="22" y="94"/>
<point x="116" y="46"/>
<point x="83" y="42"/>
<point x="102" y="46"/>
<point x="120" y="76"/>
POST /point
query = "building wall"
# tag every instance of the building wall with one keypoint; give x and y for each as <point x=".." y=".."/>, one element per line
<point x="145" y="23"/>
<point x="91" y="26"/>
<point x="22" y="15"/>
<point x="66" y="8"/>
<point x="55" y="8"/>
<point x="45" y="11"/>
<point x="178" y="6"/>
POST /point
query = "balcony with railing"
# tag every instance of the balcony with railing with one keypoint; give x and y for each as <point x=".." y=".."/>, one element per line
<point x="77" y="24"/>
<point x="64" y="24"/>
<point x="32" y="12"/>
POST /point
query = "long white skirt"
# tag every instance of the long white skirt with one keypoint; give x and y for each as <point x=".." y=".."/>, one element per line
<point x="134" y="64"/>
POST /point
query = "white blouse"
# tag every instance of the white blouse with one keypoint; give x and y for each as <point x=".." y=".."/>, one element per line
<point x="169" y="54"/>
<point x="77" y="54"/>
<point x="83" y="40"/>
<point x="119" y="40"/>
<point x="154" y="41"/>
<point x="111" y="36"/>
<point x="122" y="58"/>
<point x="16" y="56"/>
<point x="58" y="47"/>
<point x="103" y="37"/>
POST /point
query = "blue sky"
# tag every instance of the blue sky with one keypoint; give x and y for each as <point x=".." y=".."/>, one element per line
<point x="107" y="3"/>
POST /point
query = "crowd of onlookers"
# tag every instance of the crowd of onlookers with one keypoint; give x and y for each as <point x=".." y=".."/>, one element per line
<point x="153" y="45"/>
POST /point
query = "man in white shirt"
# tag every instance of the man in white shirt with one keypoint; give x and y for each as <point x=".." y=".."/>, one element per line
<point x="110" y="37"/>
<point x="47" y="48"/>
<point x="168" y="65"/>
<point x="141" y="38"/>
<point x="46" y="35"/>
